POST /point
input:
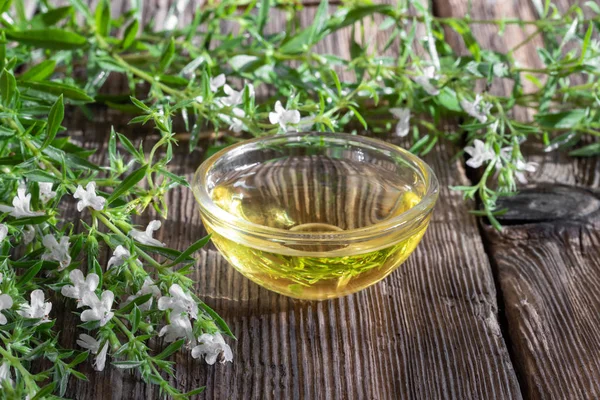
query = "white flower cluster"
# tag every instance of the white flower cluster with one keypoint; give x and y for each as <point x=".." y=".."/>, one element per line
<point x="288" y="120"/>
<point x="83" y="289"/>
<point x="37" y="308"/>
<point x="184" y="309"/>
<point x="481" y="153"/>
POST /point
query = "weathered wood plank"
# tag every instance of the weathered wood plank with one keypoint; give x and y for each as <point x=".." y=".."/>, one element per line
<point x="546" y="258"/>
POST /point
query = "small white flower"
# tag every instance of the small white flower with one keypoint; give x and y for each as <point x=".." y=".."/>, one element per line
<point x="37" y="308"/>
<point x="179" y="302"/>
<point x="28" y="234"/>
<point x="46" y="193"/>
<point x="5" y="373"/>
<point x="21" y="205"/>
<point x="284" y="117"/>
<point x="480" y="153"/>
<point x="56" y="251"/>
<point x="100" y="360"/>
<point x="145" y="237"/>
<point x="210" y="347"/>
<point x="3" y="232"/>
<point x="100" y="309"/>
<point x="424" y="80"/>
<point x="120" y="255"/>
<point x="88" y="342"/>
<point x="148" y="287"/>
<point x="6" y="302"/>
<point x="81" y="286"/>
<point x="233" y="96"/>
<point x="217" y="82"/>
<point x="237" y="125"/>
<point x="403" y="116"/>
<point x="477" y="109"/>
<point x="523" y="167"/>
<point x="88" y="197"/>
<point x="179" y="327"/>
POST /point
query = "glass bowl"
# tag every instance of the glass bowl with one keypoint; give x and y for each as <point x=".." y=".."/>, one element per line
<point x="312" y="215"/>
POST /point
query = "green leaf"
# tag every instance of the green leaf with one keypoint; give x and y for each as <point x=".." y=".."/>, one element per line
<point x="52" y="16"/>
<point x="82" y="8"/>
<point x="167" y="56"/>
<point x="319" y="22"/>
<point x="336" y="80"/>
<point x="39" y="72"/>
<point x="172" y="348"/>
<point x="54" y="39"/>
<point x="129" y="146"/>
<point x="163" y="251"/>
<point x="126" y="364"/>
<point x="140" y="104"/>
<point x="463" y="29"/>
<point x="59" y="156"/>
<point x="128" y="183"/>
<point x="81" y="357"/>
<point x="263" y="13"/>
<point x="586" y="151"/>
<point x="297" y="43"/>
<point x="8" y="86"/>
<point x="358" y="13"/>
<point x="45" y="392"/>
<point x="594" y="6"/>
<point x="2" y="50"/>
<point x="135" y="318"/>
<point x="102" y="17"/>
<point x="130" y="34"/>
<point x="38" y="175"/>
<point x="241" y="61"/>
<point x="176" y="178"/>
<point x="586" y="43"/>
<point x="55" y="118"/>
<point x="218" y="320"/>
<point x="29" y="274"/>
<point x="195" y="392"/>
<point x="359" y="117"/>
<point x="561" y="120"/>
<point x="192" y="66"/>
<point x="136" y="302"/>
<point x="190" y="250"/>
<point x="29" y="220"/>
<point x="55" y="88"/>
<point x="5" y="132"/>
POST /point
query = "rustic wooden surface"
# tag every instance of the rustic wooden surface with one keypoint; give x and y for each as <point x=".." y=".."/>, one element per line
<point x="473" y="314"/>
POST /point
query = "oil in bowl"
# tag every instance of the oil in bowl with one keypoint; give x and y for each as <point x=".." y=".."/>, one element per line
<point x="315" y="216"/>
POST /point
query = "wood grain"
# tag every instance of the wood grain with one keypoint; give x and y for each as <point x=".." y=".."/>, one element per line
<point x="546" y="258"/>
<point x="428" y="331"/>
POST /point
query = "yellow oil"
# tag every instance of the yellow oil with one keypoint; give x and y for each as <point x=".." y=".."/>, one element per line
<point x="316" y="195"/>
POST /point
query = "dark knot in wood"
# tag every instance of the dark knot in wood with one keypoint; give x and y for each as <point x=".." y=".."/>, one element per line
<point x="549" y="203"/>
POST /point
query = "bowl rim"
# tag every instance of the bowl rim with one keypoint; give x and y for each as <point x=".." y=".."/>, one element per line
<point x="223" y="217"/>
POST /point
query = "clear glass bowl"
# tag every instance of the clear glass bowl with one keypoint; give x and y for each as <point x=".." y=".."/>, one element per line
<point x="315" y="216"/>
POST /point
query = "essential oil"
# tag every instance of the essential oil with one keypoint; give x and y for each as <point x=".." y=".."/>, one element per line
<point x="316" y="194"/>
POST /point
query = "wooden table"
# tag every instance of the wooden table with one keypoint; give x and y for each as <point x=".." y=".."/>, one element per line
<point x="473" y="314"/>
